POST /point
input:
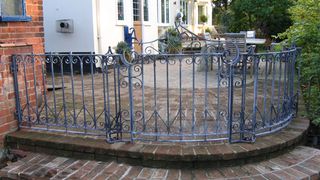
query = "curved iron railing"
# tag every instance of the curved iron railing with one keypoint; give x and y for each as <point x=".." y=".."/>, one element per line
<point x="208" y="94"/>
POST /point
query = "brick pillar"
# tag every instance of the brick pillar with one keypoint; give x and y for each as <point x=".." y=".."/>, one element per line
<point x="8" y="122"/>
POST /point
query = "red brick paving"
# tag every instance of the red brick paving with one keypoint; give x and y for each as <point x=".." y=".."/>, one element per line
<point x="35" y="166"/>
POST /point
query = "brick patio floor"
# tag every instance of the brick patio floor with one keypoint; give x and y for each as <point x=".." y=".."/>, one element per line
<point x="300" y="163"/>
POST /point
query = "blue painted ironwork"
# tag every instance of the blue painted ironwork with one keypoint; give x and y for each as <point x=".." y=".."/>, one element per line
<point x="203" y="92"/>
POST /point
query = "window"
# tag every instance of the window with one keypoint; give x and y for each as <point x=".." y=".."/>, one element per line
<point x="200" y="13"/>
<point x="184" y="10"/>
<point x="120" y="10"/>
<point x="136" y="10"/>
<point x="145" y="10"/>
<point x="13" y="10"/>
<point x="165" y="11"/>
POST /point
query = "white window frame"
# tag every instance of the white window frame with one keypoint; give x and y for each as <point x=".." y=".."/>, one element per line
<point x="166" y="12"/>
<point x="146" y="5"/>
<point x="117" y="5"/>
<point x="184" y="8"/>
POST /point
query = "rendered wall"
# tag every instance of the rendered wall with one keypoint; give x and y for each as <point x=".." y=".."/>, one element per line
<point x="82" y="13"/>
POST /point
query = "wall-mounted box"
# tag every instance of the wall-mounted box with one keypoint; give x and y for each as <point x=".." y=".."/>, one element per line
<point x="65" y="26"/>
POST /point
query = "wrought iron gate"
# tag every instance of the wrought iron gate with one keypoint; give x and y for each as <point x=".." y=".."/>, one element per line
<point x="203" y="92"/>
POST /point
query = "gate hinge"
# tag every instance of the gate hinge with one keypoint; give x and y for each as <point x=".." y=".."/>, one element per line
<point x="15" y="114"/>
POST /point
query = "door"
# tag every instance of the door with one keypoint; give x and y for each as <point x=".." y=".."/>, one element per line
<point x="137" y="23"/>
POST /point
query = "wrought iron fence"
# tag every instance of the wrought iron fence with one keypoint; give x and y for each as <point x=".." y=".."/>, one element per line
<point x="211" y="95"/>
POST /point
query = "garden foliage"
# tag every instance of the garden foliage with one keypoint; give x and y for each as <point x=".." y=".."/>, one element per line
<point x="305" y="32"/>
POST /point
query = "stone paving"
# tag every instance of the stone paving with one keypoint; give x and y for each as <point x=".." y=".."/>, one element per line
<point x="299" y="163"/>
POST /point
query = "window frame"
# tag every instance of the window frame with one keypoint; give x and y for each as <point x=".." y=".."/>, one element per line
<point x="118" y="8"/>
<point x="19" y="18"/>
<point x="164" y="16"/>
<point x="146" y="16"/>
<point x="136" y="12"/>
<point x="184" y="8"/>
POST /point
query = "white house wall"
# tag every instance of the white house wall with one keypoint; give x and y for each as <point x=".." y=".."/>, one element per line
<point x="82" y="39"/>
<point x="112" y="30"/>
<point x="150" y="28"/>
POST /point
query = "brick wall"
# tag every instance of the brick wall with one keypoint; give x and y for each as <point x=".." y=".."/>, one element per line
<point x="17" y="37"/>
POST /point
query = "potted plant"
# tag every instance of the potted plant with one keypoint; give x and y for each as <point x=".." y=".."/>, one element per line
<point x="123" y="48"/>
<point x="203" y="19"/>
<point x="173" y="41"/>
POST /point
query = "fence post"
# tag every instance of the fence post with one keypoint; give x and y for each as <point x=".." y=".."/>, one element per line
<point x="230" y="101"/>
<point x="14" y="70"/>
<point x="131" y="102"/>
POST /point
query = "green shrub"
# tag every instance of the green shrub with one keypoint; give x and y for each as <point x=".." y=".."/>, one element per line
<point x="173" y="41"/>
<point x="305" y="32"/>
<point x="123" y="48"/>
<point x="203" y="19"/>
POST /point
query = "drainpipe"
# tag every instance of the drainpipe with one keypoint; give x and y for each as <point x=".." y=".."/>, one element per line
<point x="98" y="22"/>
<point x="193" y="15"/>
<point x="142" y="24"/>
<point x="98" y="26"/>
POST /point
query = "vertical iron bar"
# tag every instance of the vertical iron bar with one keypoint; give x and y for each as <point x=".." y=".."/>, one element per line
<point x="230" y="101"/>
<point x="218" y="92"/>
<point x="168" y="100"/>
<point x="285" y="79"/>
<point x="279" y="86"/>
<point x="273" y="86"/>
<point x="117" y="62"/>
<point x="108" y="114"/>
<point x="27" y="92"/>
<point x="193" y="95"/>
<point x="243" y="97"/>
<point x="155" y="98"/>
<point x="255" y="93"/>
<point x="131" y="103"/>
<point x="180" y="95"/>
<point x="119" y="122"/>
<point x="265" y="86"/>
<point x="63" y="95"/>
<point x="72" y="90"/>
<point x="92" y="60"/>
<point x="82" y="95"/>
<point x="104" y="70"/>
<point x="143" y="96"/>
<point x="206" y="98"/>
<point x="35" y="87"/>
<point x="292" y="78"/>
<point x="116" y="65"/>
<point x="16" y="90"/>
<point x="44" y="84"/>
<point x="53" y="89"/>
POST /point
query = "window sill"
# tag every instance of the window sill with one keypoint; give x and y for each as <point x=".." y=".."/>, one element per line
<point x="164" y="24"/>
<point x="121" y="23"/>
<point x="9" y="45"/>
<point x="15" y="18"/>
<point x="147" y="23"/>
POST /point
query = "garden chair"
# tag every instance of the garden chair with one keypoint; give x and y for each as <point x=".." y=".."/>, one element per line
<point x="240" y="40"/>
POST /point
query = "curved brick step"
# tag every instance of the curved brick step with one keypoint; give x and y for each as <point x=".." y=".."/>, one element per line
<point x="300" y="163"/>
<point x="159" y="154"/>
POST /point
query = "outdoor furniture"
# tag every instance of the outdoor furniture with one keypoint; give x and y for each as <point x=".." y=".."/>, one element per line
<point x="249" y="34"/>
<point x="239" y="39"/>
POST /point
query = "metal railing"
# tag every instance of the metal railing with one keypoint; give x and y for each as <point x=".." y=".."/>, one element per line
<point x="210" y="95"/>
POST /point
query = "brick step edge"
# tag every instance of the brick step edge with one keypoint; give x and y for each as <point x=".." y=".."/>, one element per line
<point x="161" y="155"/>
